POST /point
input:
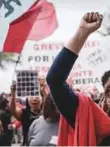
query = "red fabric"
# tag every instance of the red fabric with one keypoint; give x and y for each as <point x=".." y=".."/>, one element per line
<point x="92" y="124"/>
<point x="17" y="123"/>
<point x="37" y="23"/>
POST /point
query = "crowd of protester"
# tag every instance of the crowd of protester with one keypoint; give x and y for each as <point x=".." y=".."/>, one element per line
<point x="35" y="121"/>
<point x="17" y="115"/>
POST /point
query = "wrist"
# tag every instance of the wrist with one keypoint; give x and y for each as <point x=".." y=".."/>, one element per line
<point x="13" y="94"/>
<point x="77" y="41"/>
<point x="84" y="31"/>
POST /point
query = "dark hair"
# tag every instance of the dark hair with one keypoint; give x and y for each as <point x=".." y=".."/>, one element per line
<point x="50" y="108"/>
<point x="105" y="77"/>
<point x="3" y="102"/>
<point x="5" y="117"/>
<point x="2" y="94"/>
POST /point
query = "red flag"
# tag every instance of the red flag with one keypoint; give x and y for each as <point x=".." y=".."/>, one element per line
<point x="37" y="23"/>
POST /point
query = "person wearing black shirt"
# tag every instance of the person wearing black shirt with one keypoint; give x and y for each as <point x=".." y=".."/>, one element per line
<point x="6" y="133"/>
<point x="28" y="114"/>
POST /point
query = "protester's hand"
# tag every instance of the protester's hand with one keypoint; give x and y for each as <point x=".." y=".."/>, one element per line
<point x="13" y="88"/>
<point x="91" y="21"/>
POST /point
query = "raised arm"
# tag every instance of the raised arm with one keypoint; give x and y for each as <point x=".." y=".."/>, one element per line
<point x="64" y="97"/>
<point x="14" y="110"/>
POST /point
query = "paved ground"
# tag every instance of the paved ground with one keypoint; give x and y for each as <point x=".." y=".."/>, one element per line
<point x="17" y="145"/>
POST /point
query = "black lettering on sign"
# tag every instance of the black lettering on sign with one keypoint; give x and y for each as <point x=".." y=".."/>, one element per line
<point x="45" y="58"/>
<point x="86" y="81"/>
<point x="96" y="80"/>
<point x="38" y="58"/>
<point x="9" y="7"/>
<point x="30" y="58"/>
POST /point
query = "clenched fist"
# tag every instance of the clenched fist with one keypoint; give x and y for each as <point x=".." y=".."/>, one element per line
<point x="91" y="21"/>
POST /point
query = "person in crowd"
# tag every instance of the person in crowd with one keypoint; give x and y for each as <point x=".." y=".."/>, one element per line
<point x="44" y="131"/>
<point x="105" y="98"/>
<point x="27" y="115"/>
<point x="17" y="131"/>
<point x="83" y="122"/>
<point x="6" y="132"/>
<point x="17" y="124"/>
